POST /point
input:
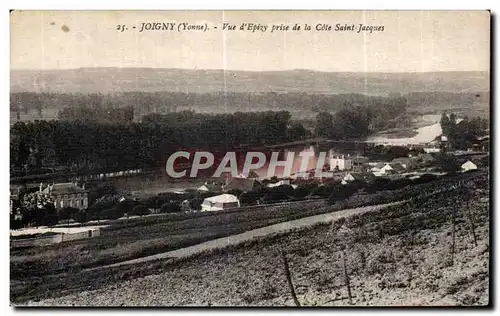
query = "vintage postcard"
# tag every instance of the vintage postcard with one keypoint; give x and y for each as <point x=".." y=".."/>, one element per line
<point x="250" y="158"/>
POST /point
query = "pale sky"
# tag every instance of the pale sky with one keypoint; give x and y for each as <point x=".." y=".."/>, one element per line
<point x="412" y="41"/>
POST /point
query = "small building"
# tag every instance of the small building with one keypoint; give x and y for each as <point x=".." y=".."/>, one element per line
<point x="392" y="168"/>
<point x="426" y="159"/>
<point x="351" y="176"/>
<point x="219" y="203"/>
<point x="210" y="187"/>
<point x="280" y="183"/>
<point x="432" y="150"/>
<point x="378" y="166"/>
<point x="360" y="160"/>
<point x="340" y="163"/>
<point x="305" y="175"/>
<point x="468" y="166"/>
<point x="67" y="195"/>
<point x="407" y="162"/>
<point x="251" y="175"/>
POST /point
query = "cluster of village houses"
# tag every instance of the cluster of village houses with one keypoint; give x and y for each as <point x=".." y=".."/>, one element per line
<point x="344" y="169"/>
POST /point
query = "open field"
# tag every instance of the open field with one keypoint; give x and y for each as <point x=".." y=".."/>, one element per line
<point x="57" y="270"/>
<point x="395" y="256"/>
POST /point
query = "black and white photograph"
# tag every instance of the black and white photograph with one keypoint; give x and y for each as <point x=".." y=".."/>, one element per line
<point x="247" y="158"/>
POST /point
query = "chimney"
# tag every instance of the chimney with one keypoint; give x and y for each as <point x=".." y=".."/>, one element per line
<point x="41" y="187"/>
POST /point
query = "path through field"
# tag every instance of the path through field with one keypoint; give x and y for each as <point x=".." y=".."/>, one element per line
<point x="255" y="233"/>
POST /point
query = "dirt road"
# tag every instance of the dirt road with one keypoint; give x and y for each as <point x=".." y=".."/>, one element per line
<point x="260" y="232"/>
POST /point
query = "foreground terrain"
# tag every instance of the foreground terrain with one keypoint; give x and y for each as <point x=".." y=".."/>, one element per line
<point x="400" y="255"/>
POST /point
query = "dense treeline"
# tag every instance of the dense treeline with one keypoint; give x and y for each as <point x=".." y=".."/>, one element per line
<point x="354" y="121"/>
<point x="463" y="133"/>
<point x="84" y="145"/>
<point x="164" y="102"/>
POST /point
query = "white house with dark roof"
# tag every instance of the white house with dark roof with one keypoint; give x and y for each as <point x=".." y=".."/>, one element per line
<point x="67" y="195"/>
<point x="220" y="202"/>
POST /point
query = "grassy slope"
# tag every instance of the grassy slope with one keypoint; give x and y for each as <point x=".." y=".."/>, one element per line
<point x="399" y="256"/>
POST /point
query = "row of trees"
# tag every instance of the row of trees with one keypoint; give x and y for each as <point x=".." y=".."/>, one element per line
<point x="163" y="102"/>
<point x="355" y="121"/>
<point x="463" y="133"/>
<point x="84" y="145"/>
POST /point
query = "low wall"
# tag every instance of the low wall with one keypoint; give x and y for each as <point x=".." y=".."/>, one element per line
<point x="54" y="239"/>
<point x="37" y="241"/>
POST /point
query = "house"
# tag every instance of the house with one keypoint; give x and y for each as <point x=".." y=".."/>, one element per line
<point x="468" y="166"/>
<point x="426" y="159"/>
<point x="251" y="175"/>
<point x="306" y="175"/>
<point x="429" y="150"/>
<point x="406" y="162"/>
<point x="391" y="168"/>
<point x="340" y="163"/>
<point x="219" y="203"/>
<point x="210" y="187"/>
<point x="280" y="183"/>
<point x="378" y="167"/>
<point x="67" y="195"/>
<point x="359" y="160"/>
<point x="351" y="176"/>
<point x="242" y="184"/>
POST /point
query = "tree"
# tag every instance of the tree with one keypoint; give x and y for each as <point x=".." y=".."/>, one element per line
<point x="304" y="190"/>
<point x="195" y="203"/>
<point x="351" y="122"/>
<point x="324" y="125"/>
<point x="15" y="223"/>
<point x="253" y="197"/>
<point x="67" y="213"/>
<point x="340" y="193"/>
<point x="140" y="210"/>
<point x="235" y="192"/>
<point x="297" y="132"/>
<point x="447" y="163"/>
<point x="170" y="207"/>
<point x="80" y="217"/>
<point x="279" y="193"/>
<point x="113" y="214"/>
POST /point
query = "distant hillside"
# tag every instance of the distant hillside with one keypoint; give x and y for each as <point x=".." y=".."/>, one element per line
<point x="112" y="80"/>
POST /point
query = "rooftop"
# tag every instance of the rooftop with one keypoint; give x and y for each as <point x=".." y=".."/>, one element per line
<point x="63" y="188"/>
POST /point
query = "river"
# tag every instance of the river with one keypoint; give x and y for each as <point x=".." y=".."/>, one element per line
<point x="424" y="134"/>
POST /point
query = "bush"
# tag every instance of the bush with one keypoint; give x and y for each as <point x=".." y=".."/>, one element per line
<point x="279" y="193"/>
<point x="67" y="213"/>
<point x="195" y="203"/>
<point x="340" y="193"/>
<point x="251" y="197"/>
<point x="304" y="190"/>
<point x="235" y="192"/>
<point x="50" y="220"/>
<point x="170" y="207"/>
<point x="113" y="213"/>
<point x="80" y="217"/>
<point x="139" y="210"/>
<point x="425" y="178"/>
<point x="379" y="184"/>
<point x="126" y="206"/>
<point x="15" y="223"/>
